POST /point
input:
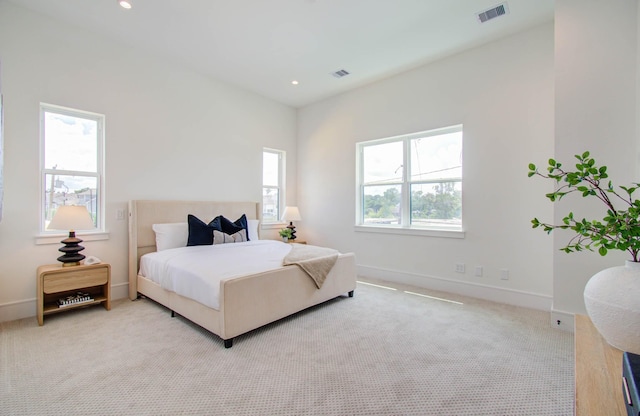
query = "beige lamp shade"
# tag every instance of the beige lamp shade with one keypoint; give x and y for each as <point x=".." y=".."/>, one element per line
<point x="71" y="217"/>
<point x="291" y="214"/>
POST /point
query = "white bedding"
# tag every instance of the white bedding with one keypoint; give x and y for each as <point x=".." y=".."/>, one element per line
<point x="195" y="272"/>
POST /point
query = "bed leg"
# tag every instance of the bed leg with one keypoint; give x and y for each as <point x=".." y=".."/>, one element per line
<point x="351" y="293"/>
<point x="173" y="314"/>
<point x="228" y="343"/>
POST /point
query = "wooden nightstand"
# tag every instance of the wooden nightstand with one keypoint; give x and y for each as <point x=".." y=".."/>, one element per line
<point x="56" y="282"/>
<point x="297" y="241"/>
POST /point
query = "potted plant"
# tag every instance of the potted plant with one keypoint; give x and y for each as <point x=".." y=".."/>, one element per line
<point x="286" y="234"/>
<point x="612" y="295"/>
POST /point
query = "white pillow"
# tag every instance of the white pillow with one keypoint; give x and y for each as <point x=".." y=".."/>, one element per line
<point x="252" y="229"/>
<point x="171" y="235"/>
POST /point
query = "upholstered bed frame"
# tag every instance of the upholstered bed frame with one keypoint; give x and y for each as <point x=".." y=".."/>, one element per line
<point x="246" y="302"/>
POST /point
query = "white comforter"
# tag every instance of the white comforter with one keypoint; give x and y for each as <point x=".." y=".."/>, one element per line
<point x="195" y="272"/>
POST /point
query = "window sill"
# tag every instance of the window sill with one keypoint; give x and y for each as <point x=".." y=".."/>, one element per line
<point x="422" y="232"/>
<point x="273" y="226"/>
<point x="55" y="238"/>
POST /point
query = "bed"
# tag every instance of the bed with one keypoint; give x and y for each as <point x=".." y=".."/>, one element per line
<point x="245" y="302"/>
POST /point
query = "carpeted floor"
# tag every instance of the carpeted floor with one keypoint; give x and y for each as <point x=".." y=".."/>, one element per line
<point x="382" y="352"/>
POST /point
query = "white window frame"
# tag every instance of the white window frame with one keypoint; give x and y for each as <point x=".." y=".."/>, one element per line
<point x="282" y="163"/>
<point x="405" y="226"/>
<point x="46" y="236"/>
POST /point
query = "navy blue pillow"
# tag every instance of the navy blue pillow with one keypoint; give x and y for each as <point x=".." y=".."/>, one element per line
<point x="221" y="223"/>
<point x="200" y="234"/>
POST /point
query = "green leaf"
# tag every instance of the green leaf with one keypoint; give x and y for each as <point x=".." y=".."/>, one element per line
<point x="620" y="227"/>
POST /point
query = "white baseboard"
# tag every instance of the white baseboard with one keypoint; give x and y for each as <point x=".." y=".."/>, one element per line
<point x="21" y="309"/>
<point x="474" y="290"/>
<point x="18" y="310"/>
<point x="120" y="291"/>
<point x="27" y="308"/>
<point x="562" y="320"/>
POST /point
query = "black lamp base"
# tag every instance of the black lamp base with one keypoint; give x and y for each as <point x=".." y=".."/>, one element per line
<point x="293" y="231"/>
<point x="71" y="250"/>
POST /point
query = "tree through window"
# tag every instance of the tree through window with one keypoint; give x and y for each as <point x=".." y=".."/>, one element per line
<point x="412" y="181"/>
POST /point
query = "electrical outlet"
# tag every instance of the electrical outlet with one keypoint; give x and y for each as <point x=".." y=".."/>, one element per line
<point x="459" y="268"/>
<point x="478" y="271"/>
<point x="504" y="274"/>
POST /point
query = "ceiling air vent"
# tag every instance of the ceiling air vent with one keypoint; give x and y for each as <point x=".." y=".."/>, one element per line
<point x="340" y="73"/>
<point x="493" y="13"/>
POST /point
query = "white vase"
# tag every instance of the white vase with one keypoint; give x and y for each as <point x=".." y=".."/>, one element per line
<point x="612" y="298"/>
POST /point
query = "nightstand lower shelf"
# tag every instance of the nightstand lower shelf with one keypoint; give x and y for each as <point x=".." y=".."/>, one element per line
<point x="50" y="308"/>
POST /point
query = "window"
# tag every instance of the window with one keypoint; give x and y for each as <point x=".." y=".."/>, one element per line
<point x="412" y="181"/>
<point x="273" y="168"/>
<point x="71" y="162"/>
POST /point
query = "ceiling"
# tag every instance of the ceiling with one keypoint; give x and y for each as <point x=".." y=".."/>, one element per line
<point x="263" y="45"/>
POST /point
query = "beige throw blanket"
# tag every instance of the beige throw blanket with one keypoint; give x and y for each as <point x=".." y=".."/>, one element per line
<point x="317" y="262"/>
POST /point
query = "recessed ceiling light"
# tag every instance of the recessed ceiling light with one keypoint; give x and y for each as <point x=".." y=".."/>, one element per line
<point x="125" y="4"/>
<point x="294" y="82"/>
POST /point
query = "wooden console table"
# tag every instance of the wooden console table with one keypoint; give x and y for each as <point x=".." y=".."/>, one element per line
<point x="598" y="369"/>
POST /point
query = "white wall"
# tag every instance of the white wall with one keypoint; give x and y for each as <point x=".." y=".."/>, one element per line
<point x="170" y="134"/>
<point x="503" y="95"/>
<point x="554" y="91"/>
<point x="595" y="109"/>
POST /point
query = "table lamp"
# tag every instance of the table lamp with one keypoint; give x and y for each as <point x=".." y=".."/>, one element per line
<point x="71" y="217"/>
<point x="291" y="214"/>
